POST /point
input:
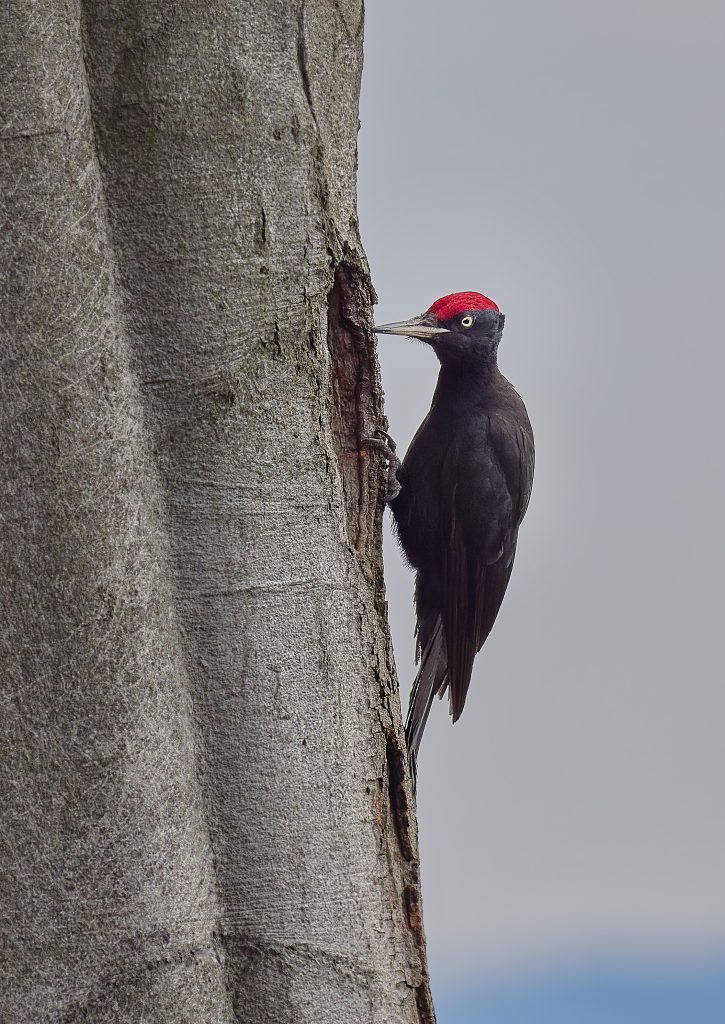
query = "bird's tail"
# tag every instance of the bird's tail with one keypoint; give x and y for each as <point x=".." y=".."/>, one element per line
<point x="429" y="681"/>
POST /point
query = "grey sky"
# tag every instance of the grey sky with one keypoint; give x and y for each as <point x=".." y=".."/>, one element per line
<point x="569" y="162"/>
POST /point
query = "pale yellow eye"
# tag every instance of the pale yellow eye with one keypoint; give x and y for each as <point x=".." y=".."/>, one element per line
<point x="466" y="321"/>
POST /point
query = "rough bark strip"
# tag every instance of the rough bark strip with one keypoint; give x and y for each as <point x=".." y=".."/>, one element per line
<point x="357" y="409"/>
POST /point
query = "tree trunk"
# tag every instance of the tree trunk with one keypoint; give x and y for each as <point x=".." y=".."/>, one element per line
<point x="207" y="817"/>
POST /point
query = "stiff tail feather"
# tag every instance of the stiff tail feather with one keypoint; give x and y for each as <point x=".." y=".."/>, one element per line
<point x="430" y="680"/>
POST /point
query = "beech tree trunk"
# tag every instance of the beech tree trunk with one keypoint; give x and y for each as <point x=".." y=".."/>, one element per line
<point x="206" y="815"/>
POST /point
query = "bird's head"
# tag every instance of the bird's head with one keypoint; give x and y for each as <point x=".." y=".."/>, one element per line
<point x="465" y="326"/>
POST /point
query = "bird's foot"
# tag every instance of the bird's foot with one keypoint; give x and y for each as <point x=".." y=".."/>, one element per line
<point x="382" y="442"/>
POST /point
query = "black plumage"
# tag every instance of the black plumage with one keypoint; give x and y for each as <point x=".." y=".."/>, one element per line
<point x="465" y="484"/>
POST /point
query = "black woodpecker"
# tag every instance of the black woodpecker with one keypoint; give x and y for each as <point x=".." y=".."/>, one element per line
<point x="464" y="487"/>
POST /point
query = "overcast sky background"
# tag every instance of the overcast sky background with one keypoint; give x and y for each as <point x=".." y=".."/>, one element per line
<point x="568" y="160"/>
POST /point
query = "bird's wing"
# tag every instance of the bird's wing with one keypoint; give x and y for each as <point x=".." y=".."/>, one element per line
<point x="487" y="481"/>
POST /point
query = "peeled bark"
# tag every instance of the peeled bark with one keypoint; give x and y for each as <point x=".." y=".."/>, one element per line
<point x="206" y="811"/>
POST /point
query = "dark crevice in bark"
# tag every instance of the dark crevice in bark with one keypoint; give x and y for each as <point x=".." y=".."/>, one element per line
<point x="356" y="405"/>
<point x="398" y="795"/>
<point x="424" y="1003"/>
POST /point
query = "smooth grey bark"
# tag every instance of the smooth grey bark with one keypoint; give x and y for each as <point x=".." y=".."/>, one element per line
<point x="205" y="811"/>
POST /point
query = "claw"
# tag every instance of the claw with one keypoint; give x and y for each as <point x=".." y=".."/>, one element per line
<point x="392" y="489"/>
<point x="382" y="442"/>
<point x="385" y="436"/>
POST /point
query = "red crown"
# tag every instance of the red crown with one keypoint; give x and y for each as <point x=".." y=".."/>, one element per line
<point x="460" y="302"/>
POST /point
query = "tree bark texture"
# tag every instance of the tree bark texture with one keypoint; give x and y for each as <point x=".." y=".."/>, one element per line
<point x="206" y="814"/>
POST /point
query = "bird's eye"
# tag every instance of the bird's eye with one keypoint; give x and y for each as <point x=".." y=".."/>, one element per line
<point x="467" y="321"/>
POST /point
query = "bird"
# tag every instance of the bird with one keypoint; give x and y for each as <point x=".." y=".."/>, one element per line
<point x="458" y="498"/>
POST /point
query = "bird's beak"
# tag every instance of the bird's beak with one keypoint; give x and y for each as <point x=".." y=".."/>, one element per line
<point x="424" y="327"/>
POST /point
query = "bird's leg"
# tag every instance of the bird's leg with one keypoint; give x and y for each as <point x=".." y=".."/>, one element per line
<point x="382" y="442"/>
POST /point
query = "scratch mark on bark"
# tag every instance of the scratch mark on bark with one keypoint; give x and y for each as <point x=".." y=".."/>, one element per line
<point x="30" y="133"/>
<point x="267" y="587"/>
<point x="351" y="35"/>
<point x="302" y="63"/>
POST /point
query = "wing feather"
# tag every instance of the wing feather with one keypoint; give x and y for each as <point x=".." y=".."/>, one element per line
<point x="489" y="483"/>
